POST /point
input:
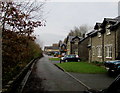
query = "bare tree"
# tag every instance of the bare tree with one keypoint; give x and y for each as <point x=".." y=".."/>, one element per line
<point x="79" y="31"/>
<point x="21" y="17"/>
<point x="18" y="21"/>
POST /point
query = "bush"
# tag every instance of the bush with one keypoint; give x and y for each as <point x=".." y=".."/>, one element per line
<point x="17" y="52"/>
<point x="98" y="63"/>
<point x="84" y="59"/>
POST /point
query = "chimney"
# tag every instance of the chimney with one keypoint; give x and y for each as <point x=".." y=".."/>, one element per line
<point x="83" y="35"/>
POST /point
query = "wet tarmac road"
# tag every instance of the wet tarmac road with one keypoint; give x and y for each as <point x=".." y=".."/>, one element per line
<point x="48" y="77"/>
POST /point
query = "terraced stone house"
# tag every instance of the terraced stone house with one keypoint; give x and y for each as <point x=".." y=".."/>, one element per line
<point x="83" y="51"/>
<point x="72" y="44"/>
<point x="104" y="43"/>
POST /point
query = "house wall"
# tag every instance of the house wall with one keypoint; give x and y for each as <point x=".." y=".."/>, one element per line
<point x="74" y="46"/>
<point x="109" y="45"/>
<point x="96" y="48"/>
<point x="109" y="41"/>
<point x="83" y="50"/>
<point x="68" y="47"/>
<point x="74" y="49"/>
<point x="118" y="43"/>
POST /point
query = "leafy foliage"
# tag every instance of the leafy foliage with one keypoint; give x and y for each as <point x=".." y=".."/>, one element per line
<point x="18" y="43"/>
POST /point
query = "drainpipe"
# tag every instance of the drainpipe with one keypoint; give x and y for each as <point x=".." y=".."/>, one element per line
<point x="70" y="48"/>
<point x="91" y="50"/>
<point x="115" y="44"/>
<point x="103" y="48"/>
<point x="78" y="49"/>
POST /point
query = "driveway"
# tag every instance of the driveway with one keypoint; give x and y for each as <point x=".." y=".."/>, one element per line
<point x="48" y="77"/>
<point x="94" y="81"/>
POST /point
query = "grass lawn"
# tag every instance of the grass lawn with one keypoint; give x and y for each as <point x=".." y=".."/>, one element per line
<point x="81" y="67"/>
<point x="54" y="59"/>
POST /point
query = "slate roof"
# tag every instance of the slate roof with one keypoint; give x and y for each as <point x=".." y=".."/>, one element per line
<point x="97" y="25"/>
<point x="63" y="44"/>
<point x="92" y="32"/>
<point x="110" y="20"/>
<point x="69" y="38"/>
<point x="76" y="37"/>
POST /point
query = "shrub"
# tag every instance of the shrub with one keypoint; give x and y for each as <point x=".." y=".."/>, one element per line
<point x="17" y="51"/>
<point x="98" y="63"/>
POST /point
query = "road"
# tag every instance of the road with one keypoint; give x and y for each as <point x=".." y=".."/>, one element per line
<point x="47" y="77"/>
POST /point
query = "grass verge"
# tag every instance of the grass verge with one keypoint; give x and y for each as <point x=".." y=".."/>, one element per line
<point x="54" y="59"/>
<point x="82" y="67"/>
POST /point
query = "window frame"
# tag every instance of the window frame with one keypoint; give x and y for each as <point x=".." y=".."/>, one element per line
<point x="108" y="51"/>
<point x="99" y="34"/>
<point x="93" y="50"/>
<point x="108" y="30"/>
<point x="99" y="49"/>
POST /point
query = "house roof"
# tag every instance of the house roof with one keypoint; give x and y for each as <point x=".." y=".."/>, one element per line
<point x="75" y="38"/>
<point x="60" y="42"/>
<point x="63" y="44"/>
<point x="115" y="23"/>
<point x="48" y="47"/>
<point x="69" y="38"/>
<point x="97" y="25"/>
<point x="92" y="32"/>
<point x="110" y="20"/>
<point x="115" y="26"/>
<point x="83" y="39"/>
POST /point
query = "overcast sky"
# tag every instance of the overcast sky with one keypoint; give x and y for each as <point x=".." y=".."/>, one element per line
<point x="61" y="17"/>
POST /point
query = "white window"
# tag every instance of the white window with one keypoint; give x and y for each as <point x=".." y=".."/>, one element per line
<point x="107" y="31"/>
<point x="99" y="34"/>
<point x="108" y="51"/>
<point x="100" y="29"/>
<point x="93" y="50"/>
<point x="76" y="51"/>
<point x="99" y="50"/>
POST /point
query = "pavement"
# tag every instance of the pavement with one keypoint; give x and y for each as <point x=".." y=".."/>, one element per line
<point x="94" y="81"/>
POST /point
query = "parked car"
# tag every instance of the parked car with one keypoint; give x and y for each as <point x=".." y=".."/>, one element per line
<point x="70" y="58"/>
<point x="113" y="88"/>
<point x="113" y="66"/>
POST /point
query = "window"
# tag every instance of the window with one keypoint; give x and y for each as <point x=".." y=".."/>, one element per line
<point x="99" y="29"/>
<point x="108" y="51"/>
<point x="99" y="34"/>
<point x="76" y="41"/>
<point x="99" y="49"/>
<point x="108" y="31"/>
<point x="76" y="51"/>
<point x="93" y="50"/>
